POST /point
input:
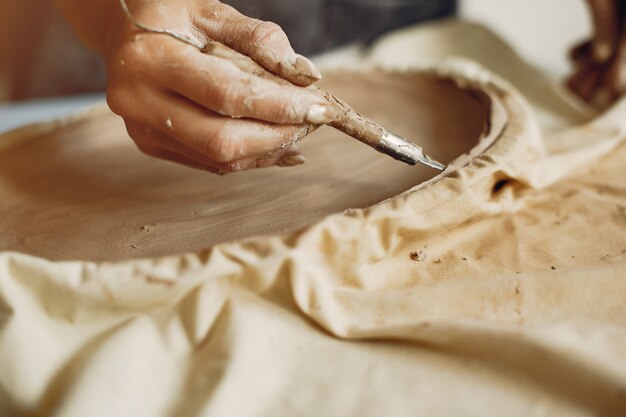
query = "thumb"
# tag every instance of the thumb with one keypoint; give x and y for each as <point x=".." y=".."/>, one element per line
<point x="264" y="42"/>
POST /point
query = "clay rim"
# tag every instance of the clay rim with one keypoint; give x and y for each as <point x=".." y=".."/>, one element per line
<point x="508" y="121"/>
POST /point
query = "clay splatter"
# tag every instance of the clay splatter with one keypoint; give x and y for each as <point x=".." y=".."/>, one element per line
<point x="418" y="256"/>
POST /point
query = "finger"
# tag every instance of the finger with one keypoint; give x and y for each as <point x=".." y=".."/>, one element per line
<point x="156" y="144"/>
<point x="164" y="155"/>
<point x="221" y="86"/>
<point x="288" y="157"/>
<point x="160" y="153"/>
<point x="612" y="84"/>
<point x="222" y="139"/>
<point x="241" y="61"/>
<point x="604" y="15"/>
<point x="265" y="42"/>
<point x="585" y="81"/>
<point x="218" y="138"/>
<point x="292" y="158"/>
<point x="617" y="73"/>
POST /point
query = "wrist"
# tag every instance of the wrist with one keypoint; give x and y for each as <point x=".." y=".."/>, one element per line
<point x="135" y="16"/>
<point x="94" y="22"/>
<point x="116" y="28"/>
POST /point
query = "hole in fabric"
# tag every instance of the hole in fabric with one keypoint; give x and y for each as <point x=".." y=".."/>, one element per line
<point x="498" y="186"/>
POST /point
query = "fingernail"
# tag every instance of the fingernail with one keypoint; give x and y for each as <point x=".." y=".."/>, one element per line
<point x="291" y="161"/>
<point x="320" y="114"/>
<point x="307" y="68"/>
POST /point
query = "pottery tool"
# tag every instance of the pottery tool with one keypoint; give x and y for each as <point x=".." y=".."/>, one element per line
<point x="385" y="142"/>
<point x="347" y="120"/>
<point x="370" y="133"/>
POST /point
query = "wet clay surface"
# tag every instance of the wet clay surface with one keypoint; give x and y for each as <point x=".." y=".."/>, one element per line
<point x="86" y="192"/>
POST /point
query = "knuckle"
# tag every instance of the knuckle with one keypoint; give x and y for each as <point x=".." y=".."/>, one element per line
<point x="224" y="146"/>
<point x="216" y="11"/>
<point x="125" y="78"/>
<point x="135" y="55"/>
<point x="116" y="100"/>
<point x="224" y="98"/>
<point x="265" y="32"/>
<point x="283" y="112"/>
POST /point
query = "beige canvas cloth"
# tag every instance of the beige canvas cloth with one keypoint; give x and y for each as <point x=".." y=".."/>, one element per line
<point x="496" y="289"/>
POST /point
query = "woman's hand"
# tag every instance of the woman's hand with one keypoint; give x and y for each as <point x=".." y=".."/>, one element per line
<point x="199" y="109"/>
<point x="600" y="74"/>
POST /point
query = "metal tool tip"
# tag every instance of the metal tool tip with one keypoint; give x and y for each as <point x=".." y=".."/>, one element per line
<point x="406" y="151"/>
<point x="427" y="160"/>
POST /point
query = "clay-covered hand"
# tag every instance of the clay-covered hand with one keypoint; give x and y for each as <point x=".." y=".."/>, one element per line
<point x="198" y="109"/>
<point x="600" y="63"/>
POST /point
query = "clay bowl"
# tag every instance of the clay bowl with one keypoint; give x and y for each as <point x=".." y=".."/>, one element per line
<point x="79" y="189"/>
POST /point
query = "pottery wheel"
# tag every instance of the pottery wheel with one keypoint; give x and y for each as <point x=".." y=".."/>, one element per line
<point x="85" y="192"/>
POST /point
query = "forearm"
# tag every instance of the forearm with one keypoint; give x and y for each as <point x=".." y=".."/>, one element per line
<point x="92" y="20"/>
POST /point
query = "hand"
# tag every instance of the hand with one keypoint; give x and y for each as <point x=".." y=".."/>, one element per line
<point x="201" y="110"/>
<point x="600" y="76"/>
